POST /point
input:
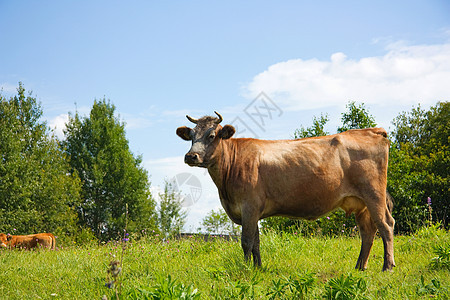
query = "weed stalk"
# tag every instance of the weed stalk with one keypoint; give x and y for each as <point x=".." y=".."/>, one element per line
<point x="115" y="271"/>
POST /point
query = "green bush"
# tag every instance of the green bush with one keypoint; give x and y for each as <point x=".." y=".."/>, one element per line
<point x="291" y="287"/>
<point x="345" y="288"/>
<point x="442" y="260"/>
<point x="166" y="288"/>
<point x="433" y="289"/>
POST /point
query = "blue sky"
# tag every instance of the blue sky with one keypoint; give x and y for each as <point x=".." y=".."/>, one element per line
<point x="158" y="61"/>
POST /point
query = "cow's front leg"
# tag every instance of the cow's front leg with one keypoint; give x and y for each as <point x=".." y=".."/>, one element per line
<point x="250" y="238"/>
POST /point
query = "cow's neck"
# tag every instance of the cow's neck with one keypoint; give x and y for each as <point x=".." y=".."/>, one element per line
<point x="224" y="157"/>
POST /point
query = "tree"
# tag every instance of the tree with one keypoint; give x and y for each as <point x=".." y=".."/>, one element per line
<point x="36" y="192"/>
<point x="317" y="129"/>
<point x="356" y="117"/>
<point x="219" y="223"/>
<point x="171" y="217"/>
<point x="419" y="166"/>
<point x="111" y="175"/>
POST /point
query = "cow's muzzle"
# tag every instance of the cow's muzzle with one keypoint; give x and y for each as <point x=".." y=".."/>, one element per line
<point x="192" y="159"/>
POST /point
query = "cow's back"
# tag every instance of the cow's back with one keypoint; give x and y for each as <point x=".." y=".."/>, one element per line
<point x="45" y="240"/>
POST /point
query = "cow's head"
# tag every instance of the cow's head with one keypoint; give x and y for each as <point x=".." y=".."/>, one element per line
<point x="205" y="137"/>
<point x="4" y="240"/>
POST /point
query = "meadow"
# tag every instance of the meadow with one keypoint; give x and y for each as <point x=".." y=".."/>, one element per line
<point x="294" y="267"/>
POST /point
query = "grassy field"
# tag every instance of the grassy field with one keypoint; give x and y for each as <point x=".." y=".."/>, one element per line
<point x="293" y="267"/>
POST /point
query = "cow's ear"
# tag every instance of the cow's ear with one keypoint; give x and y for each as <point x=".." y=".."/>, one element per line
<point x="226" y="132"/>
<point x="184" y="133"/>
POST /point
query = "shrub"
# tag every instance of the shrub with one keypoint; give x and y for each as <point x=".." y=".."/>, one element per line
<point x="299" y="287"/>
<point x="434" y="288"/>
<point x="166" y="288"/>
<point x="345" y="288"/>
<point x="442" y="260"/>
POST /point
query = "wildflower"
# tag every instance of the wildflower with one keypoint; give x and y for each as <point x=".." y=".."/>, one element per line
<point x="328" y="218"/>
<point x="126" y="239"/>
<point x="429" y="201"/>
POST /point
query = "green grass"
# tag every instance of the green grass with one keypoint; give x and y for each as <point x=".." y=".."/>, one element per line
<point x="293" y="267"/>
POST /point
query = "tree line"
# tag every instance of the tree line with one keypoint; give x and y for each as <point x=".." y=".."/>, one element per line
<point x="91" y="186"/>
<point x="87" y="186"/>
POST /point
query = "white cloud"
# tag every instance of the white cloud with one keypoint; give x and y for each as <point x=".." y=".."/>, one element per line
<point x="58" y="124"/>
<point x="405" y="75"/>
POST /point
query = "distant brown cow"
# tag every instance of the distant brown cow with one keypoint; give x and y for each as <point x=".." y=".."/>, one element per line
<point x="305" y="178"/>
<point x="44" y="240"/>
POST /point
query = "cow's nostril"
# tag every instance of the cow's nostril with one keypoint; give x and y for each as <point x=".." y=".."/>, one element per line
<point x="191" y="157"/>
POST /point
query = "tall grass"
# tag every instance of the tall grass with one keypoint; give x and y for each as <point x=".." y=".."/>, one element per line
<point x="293" y="267"/>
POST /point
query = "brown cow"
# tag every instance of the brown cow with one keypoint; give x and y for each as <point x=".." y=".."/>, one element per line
<point x="44" y="240"/>
<point x="305" y="178"/>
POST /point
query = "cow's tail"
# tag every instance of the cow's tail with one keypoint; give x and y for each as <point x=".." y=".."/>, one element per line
<point x="389" y="202"/>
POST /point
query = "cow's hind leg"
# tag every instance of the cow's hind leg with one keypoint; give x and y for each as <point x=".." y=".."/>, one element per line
<point x="384" y="222"/>
<point x="367" y="231"/>
<point x="387" y="233"/>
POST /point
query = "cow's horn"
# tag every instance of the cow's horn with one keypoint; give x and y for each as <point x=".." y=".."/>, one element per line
<point x="195" y="121"/>
<point x="220" y="117"/>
